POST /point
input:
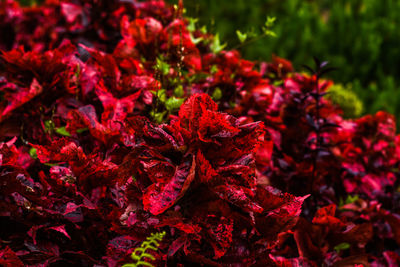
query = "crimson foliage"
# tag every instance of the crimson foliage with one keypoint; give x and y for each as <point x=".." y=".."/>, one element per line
<point x="97" y="150"/>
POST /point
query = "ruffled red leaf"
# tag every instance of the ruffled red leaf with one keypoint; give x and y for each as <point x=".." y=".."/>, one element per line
<point x="326" y="216"/>
<point x="86" y="117"/>
<point x="13" y="100"/>
<point x="159" y="197"/>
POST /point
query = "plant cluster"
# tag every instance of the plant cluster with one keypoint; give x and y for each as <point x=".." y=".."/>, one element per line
<point x="359" y="37"/>
<point x="119" y="119"/>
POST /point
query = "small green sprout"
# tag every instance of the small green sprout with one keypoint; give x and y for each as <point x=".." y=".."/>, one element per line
<point x="241" y="36"/>
<point x="341" y="246"/>
<point x="141" y="254"/>
<point x="216" y="45"/>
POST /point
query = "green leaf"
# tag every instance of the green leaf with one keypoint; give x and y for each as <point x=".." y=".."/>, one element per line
<point x="32" y="153"/>
<point x="173" y="103"/>
<point x="278" y="83"/>
<point x="203" y="29"/>
<point x="217" y="94"/>
<point x="351" y="199"/>
<point x="270" y="21"/>
<point x="162" y="66"/>
<point x="77" y="71"/>
<point x="214" y="69"/>
<point x="82" y="130"/>
<point x="341" y="246"/>
<point x="50" y="164"/>
<point x="158" y="117"/>
<point x="252" y="33"/>
<point x="195" y="40"/>
<point x="241" y="36"/>
<point x="178" y="91"/>
<point x="216" y="45"/>
<point x="62" y="131"/>
<point x="268" y="32"/>
<point x="144" y="263"/>
<point x="49" y="126"/>
<point x="192" y="24"/>
<point x="161" y="95"/>
<point x="140" y="254"/>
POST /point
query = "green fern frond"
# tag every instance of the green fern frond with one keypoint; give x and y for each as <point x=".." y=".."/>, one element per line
<point x="140" y="254"/>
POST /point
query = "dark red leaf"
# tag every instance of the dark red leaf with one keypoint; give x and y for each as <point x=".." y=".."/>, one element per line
<point x="8" y="258"/>
<point x="159" y="197"/>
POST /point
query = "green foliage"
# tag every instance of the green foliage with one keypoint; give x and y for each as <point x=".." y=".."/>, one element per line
<point x="162" y="66"/>
<point x="141" y="254"/>
<point x="30" y="2"/>
<point x="350" y="199"/>
<point x="82" y="130"/>
<point x="160" y="95"/>
<point x="32" y="153"/>
<point x="165" y="105"/>
<point x="360" y="38"/>
<point x="49" y="126"/>
<point x="173" y="103"/>
<point x="62" y="131"/>
<point x="241" y="36"/>
<point x="178" y="91"/>
<point x="216" y="45"/>
<point x="341" y="246"/>
<point x="268" y="25"/>
<point x="345" y="98"/>
<point x="217" y="94"/>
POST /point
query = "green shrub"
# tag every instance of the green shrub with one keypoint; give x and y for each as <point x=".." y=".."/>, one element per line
<point x="345" y="98"/>
<point x="360" y="37"/>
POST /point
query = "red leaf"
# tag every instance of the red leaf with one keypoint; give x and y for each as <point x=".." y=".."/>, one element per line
<point x="326" y="216"/>
<point x="292" y="262"/>
<point x="60" y="229"/>
<point x="71" y="11"/>
<point x="193" y="108"/>
<point x="158" y="198"/>
<point x="86" y="117"/>
<point x="394" y="222"/>
<point x="19" y="98"/>
<point x="204" y="170"/>
<point x="238" y="196"/>
<point x="8" y="258"/>
<point x="8" y="154"/>
<point x="281" y="212"/>
<point x="144" y="30"/>
<point x="214" y="124"/>
<point x="60" y="150"/>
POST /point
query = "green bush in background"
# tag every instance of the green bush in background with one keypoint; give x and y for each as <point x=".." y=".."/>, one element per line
<point x="359" y="37"/>
<point x="348" y="101"/>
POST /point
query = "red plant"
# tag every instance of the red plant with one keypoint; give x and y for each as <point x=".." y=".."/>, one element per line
<point x="118" y="121"/>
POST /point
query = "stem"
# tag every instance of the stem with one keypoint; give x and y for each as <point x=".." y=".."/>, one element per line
<point x="318" y="141"/>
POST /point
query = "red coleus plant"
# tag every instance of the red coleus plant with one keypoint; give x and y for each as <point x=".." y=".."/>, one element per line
<point x="117" y="120"/>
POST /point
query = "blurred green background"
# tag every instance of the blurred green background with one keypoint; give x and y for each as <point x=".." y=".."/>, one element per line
<point x="359" y="37"/>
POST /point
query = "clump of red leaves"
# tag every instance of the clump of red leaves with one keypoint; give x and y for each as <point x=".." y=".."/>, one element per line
<point x="88" y="171"/>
